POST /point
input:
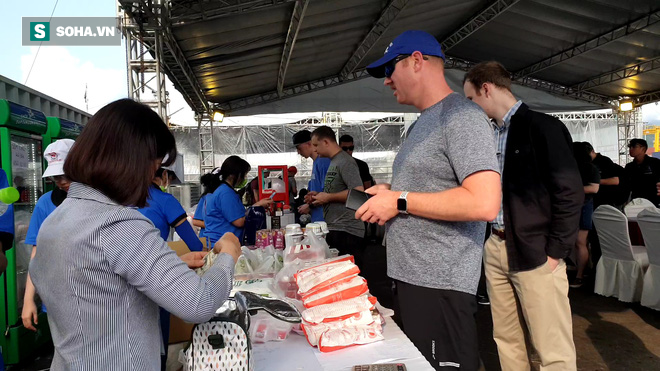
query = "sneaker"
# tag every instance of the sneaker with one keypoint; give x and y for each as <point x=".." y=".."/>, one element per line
<point x="483" y="299"/>
<point x="577" y="282"/>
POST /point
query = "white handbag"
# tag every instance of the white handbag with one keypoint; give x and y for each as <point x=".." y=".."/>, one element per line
<point x="223" y="342"/>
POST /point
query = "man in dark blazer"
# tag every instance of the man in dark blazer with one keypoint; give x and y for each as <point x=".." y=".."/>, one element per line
<point x="536" y="228"/>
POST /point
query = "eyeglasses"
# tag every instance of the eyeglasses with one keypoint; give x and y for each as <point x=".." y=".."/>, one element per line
<point x="348" y="148"/>
<point x="389" y="67"/>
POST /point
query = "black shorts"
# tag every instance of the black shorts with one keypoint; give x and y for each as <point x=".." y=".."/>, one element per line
<point x="441" y="324"/>
<point x="586" y="217"/>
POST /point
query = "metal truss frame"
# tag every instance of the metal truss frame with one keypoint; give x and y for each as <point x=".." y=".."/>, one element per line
<point x="192" y="11"/>
<point x="596" y="42"/>
<point x="297" y="16"/>
<point x="147" y="19"/>
<point x="146" y="77"/>
<point x="206" y="149"/>
<point x="628" y="127"/>
<point x="580" y="116"/>
<point x="616" y="75"/>
<point x="386" y="18"/>
<point x="476" y="22"/>
<point x="451" y="62"/>
<point x="650" y="97"/>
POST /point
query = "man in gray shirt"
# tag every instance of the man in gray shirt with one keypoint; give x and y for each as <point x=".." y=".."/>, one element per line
<point x="346" y="233"/>
<point x="445" y="185"/>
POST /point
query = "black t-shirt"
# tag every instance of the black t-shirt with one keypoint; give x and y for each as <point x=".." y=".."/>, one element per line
<point x="643" y="178"/>
<point x="589" y="174"/>
<point x="364" y="171"/>
<point x="613" y="195"/>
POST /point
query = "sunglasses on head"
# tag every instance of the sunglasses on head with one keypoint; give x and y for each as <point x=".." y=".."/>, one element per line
<point x="350" y="148"/>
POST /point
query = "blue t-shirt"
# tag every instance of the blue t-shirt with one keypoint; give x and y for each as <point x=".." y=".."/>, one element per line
<point x="223" y="207"/>
<point x="42" y="209"/>
<point x="317" y="182"/>
<point x="199" y="213"/>
<point x="163" y="210"/>
<point x="6" y="219"/>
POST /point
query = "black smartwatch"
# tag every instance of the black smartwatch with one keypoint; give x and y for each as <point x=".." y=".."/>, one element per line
<point x="402" y="203"/>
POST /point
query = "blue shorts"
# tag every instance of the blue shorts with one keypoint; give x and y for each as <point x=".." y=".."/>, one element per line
<point x="586" y="217"/>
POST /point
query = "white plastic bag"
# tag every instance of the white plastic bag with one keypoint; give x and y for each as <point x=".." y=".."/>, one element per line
<point x="309" y="249"/>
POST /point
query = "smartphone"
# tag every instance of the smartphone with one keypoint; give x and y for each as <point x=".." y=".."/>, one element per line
<point x="381" y="367"/>
<point x="356" y="198"/>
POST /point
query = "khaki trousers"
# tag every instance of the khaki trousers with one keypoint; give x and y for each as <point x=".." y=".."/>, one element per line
<point x="541" y="296"/>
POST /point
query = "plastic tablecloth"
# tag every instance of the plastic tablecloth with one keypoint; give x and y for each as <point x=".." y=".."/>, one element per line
<point x="295" y="353"/>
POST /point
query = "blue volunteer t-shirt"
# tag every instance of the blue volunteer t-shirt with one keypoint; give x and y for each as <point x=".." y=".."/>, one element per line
<point x="223" y="207"/>
<point x="163" y="210"/>
<point x="42" y="209"/>
<point x="199" y="214"/>
<point x="317" y="182"/>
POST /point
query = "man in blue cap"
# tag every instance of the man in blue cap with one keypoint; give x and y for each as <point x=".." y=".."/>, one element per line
<point x="445" y="185"/>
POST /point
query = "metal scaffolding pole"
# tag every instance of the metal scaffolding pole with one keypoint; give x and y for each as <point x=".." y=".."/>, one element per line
<point x="627" y="128"/>
<point x="206" y="155"/>
<point x="144" y="51"/>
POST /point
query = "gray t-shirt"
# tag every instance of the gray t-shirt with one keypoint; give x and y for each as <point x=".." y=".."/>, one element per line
<point x="449" y="141"/>
<point x="343" y="174"/>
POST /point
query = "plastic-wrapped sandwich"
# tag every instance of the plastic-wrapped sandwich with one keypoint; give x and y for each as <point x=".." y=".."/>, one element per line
<point x="336" y="339"/>
<point x="339" y="310"/>
<point x="313" y="278"/>
<point x="347" y="288"/>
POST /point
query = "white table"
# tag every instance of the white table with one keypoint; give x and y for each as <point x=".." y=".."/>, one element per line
<point x="295" y="353"/>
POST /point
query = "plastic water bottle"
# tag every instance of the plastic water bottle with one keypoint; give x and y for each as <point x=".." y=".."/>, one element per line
<point x="8" y="196"/>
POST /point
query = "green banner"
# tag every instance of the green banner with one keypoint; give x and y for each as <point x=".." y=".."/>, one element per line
<point x="22" y="118"/>
<point x="60" y="128"/>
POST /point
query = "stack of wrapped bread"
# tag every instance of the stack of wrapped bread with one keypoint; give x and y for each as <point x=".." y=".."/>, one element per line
<point x="339" y="310"/>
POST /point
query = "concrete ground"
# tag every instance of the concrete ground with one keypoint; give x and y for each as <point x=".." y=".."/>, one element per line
<point x="608" y="334"/>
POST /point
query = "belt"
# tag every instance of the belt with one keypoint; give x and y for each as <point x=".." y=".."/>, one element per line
<point x="498" y="232"/>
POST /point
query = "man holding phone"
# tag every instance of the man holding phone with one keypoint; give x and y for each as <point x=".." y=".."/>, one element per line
<point x="346" y="233"/>
<point x="445" y="185"/>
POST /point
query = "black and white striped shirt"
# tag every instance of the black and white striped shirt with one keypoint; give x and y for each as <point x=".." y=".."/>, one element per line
<point x="102" y="270"/>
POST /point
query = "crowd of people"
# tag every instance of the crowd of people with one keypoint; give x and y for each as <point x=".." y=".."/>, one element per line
<point x="481" y="183"/>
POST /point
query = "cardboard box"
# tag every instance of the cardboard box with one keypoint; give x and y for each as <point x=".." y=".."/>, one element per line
<point x="180" y="331"/>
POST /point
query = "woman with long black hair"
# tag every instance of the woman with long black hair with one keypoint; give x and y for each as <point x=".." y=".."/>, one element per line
<point x="107" y="269"/>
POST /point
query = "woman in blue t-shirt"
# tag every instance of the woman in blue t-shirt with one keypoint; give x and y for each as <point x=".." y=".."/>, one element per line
<point x="55" y="154"/>
<point x="166" y="212"/>
<point x="224" y="209"/>
<point x="210" y="183"/>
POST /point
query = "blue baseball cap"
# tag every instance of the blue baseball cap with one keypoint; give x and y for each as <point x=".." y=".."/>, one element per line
<point x="406" y="43"/>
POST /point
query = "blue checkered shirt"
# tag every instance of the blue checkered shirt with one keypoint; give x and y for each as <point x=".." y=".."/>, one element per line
<point x="501" y="134"/>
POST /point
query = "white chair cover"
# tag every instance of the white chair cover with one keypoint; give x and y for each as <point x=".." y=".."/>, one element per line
<point x="620" y="270"/>
<point x="635" y="206"/>
<point x="649" y="223"/>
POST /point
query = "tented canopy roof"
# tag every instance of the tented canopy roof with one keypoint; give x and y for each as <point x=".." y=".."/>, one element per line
<point x="258" y="56"/>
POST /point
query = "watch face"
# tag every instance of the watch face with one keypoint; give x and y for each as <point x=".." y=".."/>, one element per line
<point x="401" y="204"/>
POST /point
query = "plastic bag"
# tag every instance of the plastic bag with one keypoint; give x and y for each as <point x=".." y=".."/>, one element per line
<point x="284" y="284"/>
<point x="338" y="311"/>
<point x="347" y="288"/>
<point x="326" y="274"/>
<point x="313" y="332"/>
<point x="309" y="249"/>
<point x="336" y="339"/>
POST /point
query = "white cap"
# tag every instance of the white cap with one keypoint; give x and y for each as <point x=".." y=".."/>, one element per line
<point x="324" y="227"/>
<point x="313" y="228"/>
<point x="291" y="229"/>
<point x="55" y="155"/>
